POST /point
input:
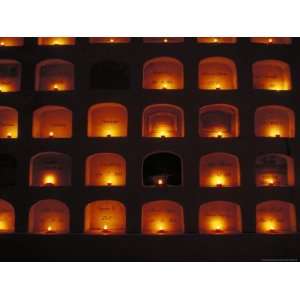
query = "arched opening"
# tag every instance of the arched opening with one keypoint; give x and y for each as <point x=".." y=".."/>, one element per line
<point x="275" y="217"/>
<point x="220" y="217"/>
<point x="218" y="121"/>
<point x="54" y="75"/>
<point x="107" y="120"/>
<point x="8" y="123"/>
<point x="110" y="75"/>
<point x="56" y="41"/>
<point x="105" y="169"/>
<point x="271" y="75"/>
<point x="105" y="217"/>
<point x="7" y="217"/>
<point x="217" y="73"/>
<point x="163" y="121"/>
<point x="11" y="41"/>
<point x="109" y="40"/>
<point x="271" y="40"/>
<point x="274" y="121"/>
<point x="166" y="40"/>
<point x="49" y="217"/>
<point x="162" y="169"/>
<point x="8" y="170"/>
<point x="216" y="40"/>
<point x="274" y="170"/>
<point x="50" y="169"/>
<point x="52" y="122"/>
<point x="10" y="76"/>
<point x="164" y="73"/>
<point x="162" y="217"/>
<point x="219" y="170"/>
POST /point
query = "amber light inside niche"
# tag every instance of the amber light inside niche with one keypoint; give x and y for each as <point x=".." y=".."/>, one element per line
<point x="162" y="217"/>
<point x="105" y="217"/>
<point x="220" y="217"/>
<point x="7" y="217"/>
<point x="56" y="41"/>
<point x="163" y="73"/>
<point x="105" y="169"/>
<point x="10" y="76"/>
<point x="163" y="121"/>
<point x="219" y="170"/>
<point x="109" y="40"/>
<point x="274" y="121"/>
<point x="217" y="73"/>
<point x="271" y="40"/>
<point x="49" y="217"/>
<point x="275" y="217"/>
<point x="274" y="170"/>
<point x="216" y="40"/>
<point x="8" y="123"/>
<point x="166" y="40"/>
<point x="11" y="41"/>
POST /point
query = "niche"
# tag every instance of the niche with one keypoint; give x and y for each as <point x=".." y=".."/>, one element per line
<point x="10" y="76"/>
<point x="7" y="217"/>
<point x="56" y="41"/>
<point x="271" y="40"/>
<point x="8" y="170"/>
<point x="216" y="40"/>
<point x="8" y="123"/>
<point x="109" y="40"/>
<point x="11" y="41"/>
<point x="166" y="40"/>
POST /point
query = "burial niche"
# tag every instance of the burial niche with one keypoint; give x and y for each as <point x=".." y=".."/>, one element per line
<point x="8" y="123"/>
<point x="7" y="217"/>
<point x="10" y="76"/>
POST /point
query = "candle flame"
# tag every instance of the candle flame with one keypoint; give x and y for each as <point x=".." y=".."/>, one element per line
<point x="49" y="179"/>
<point x="51" y="134"/>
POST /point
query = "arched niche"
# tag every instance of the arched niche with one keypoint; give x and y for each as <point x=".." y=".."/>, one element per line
<point x="105" y="217"/>
<point x="52" y="122"/>
<point x="218" y="121"/>
<point x="8" y="170"/>
<point x="274" y="121"/>
<point x="162" y="169"/>
<point x="275" y="217"/>
<point x="274" y="170"/>
<point x="49" y="217"/>
<point x="105" y="169"/>
<point x="10" y="75"/>
<point x="7" y="217"/>
<point x="219" y="170"/>
<point x="163" y="121"/>
<point x="109" y="40"/>
<point x="271" y="74"/>
<point x="107" y="120"/>
<point x="216" y="40"/>
<point x="166" y="40"/>
<point x="8" y="123"/>
<point x="50" y="169"/>
<point x="217" y="73"/>
<point x="163" y="73"/>
<point x="271" y="40"/>
<point x="162" y="217"/>
<point x="110" y="75"/>
<point x="54" y="75"/>
<point x="11" y="41"/>
<point x="220" y="217"/>
<point x="56" y="41"/>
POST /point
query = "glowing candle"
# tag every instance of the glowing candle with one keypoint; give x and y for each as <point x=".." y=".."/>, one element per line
<point x="218" y="86"/>
<point x="49" y="229"/>
<point x="216" y="40"/>
<point x="9" y="135"/>
<point x="109" y="184"/>
<point x="270" y="40"/>
<point x="160" y="181"/>
<point x="217" y="225"/>
<point x="55" y="87"/>
<point x="105" y="229"/>
<point x="51" y="134"/>
<point x="270" y="226"/>
<point x="111" y="40"/>
<point x="274" y="131"/>
<point x="270" y="181"/>
<point x="161" y="229"/>
<point x="219" y="134"/>
<point x="2" y="44"/>
<point x="219" y="180"/>
<point x="49" y="180"/>
<point x="165" y="40"/>
<point x="3" y="225"/>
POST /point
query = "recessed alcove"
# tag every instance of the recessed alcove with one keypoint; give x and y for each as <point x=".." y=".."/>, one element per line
<point x="56" y="41"/>
<point x="10" y="76"/>
<point x="8" y="170"/>
<point x="271" y="40"/>
<point x="7" y="217"/>
<point x="109" y="40"/>
<point x="166" y="40"/>
<point x="8" y="123"/>
<point x="216" y="40"/>
<point x="11" y="41"/>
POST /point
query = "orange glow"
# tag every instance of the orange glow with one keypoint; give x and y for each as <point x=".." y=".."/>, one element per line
<point x="3" y="225"/>
<point x="11" y="41"/>
<point x="270" y="225"/>
<point x="6" y="87"/>
<point x="109" y="40"/>
<point x="274" y="131"/>
<point x="9" y="135"/>
<point x="214" y="40"/>
<point x="49" y="180"/>
<point x="272" y="40"/>
<point x="218" y="180"/>
<point x="160" y="181"/>
<point x="7" y="217"/>
<point x="51" y="134"/>
<point x="163" y="131"/>
<point x="56" y="41"/>
<point x="269" y="181"/>
<point x="217" y="224"/>
<point x="8" y="123"/>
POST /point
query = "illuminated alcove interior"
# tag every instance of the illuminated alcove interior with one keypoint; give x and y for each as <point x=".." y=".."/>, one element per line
<point x="105" y="169"/>
<point x="10" y="75"/>
<point x="162" y="217"/>
<point x="56" y="41"/>
<point x="216" y="40"/>
<point x="219" y="170"/>
<point x="217" y="73"/>
<point x="52" y="122"/>
<point x="107" y="120"/>
<point x="163" y="121"/>
<point x="8" y="123"/>
<point x="271" y="75"/>
<point x="109" y="40"/>
<point x="162" y="169"/>
<point x="220" y="217"/>
<point x="218" y="121"/>
<point x="271" y="40"/>
<point x="50" y="169"/>
<point x="274" y="121"/>
<point x="105" y="217"/>
<point x="8" y="170"/>
<point x="274" y="170"/>
<point x="7" y="217"/>
<point x="275" y="217"/>
<point x="54" y="75"/>
<point x="11" y="41"/>
<point x="163" y="73"/>
<point x="166" y="40"/>
<point x="49" y="217"/>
